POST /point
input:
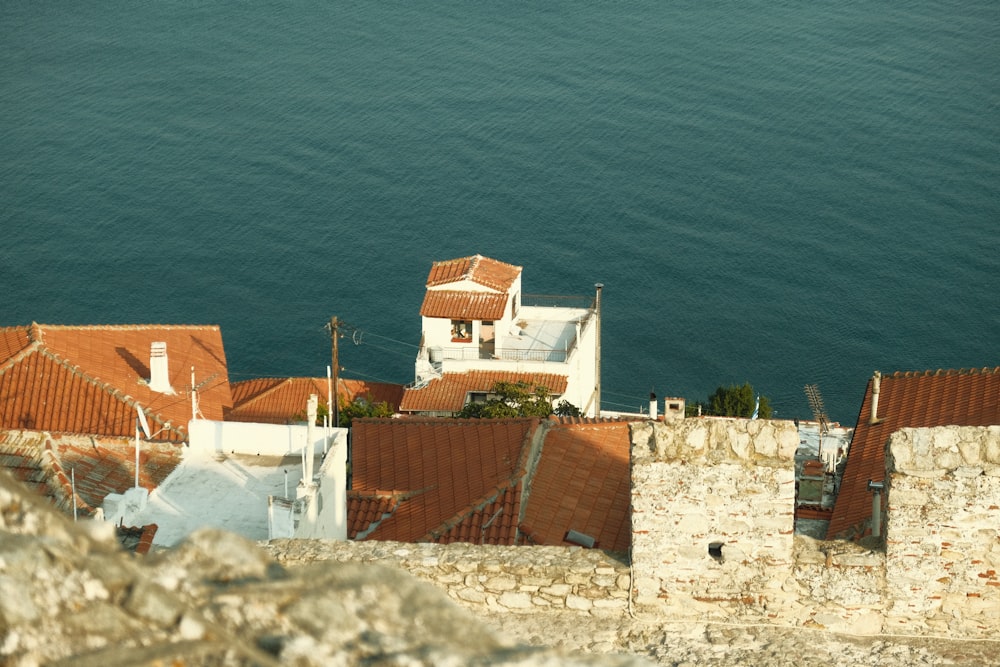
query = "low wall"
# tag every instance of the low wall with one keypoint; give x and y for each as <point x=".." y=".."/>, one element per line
<point x="943" y="531"/>
<point x="698" y="482"/>
<point x="520" y="580"/>
<point x="257" y="439"/>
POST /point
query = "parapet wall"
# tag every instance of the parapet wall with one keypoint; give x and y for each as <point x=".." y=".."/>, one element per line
<point x="712" y="519"/>
<point x="495" y="578"/>
<point x="943" y="531"/>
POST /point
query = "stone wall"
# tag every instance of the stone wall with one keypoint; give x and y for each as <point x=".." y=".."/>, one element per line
<point x="943" y="531"/>
<point x="712" y="517"/>
<point x="503" y="579"/>
<point x="729" y="485"/>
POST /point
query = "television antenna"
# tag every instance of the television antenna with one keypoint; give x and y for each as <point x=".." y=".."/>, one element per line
<point x="818" y="409"/>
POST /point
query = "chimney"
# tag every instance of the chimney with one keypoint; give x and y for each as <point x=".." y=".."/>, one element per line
<point x="159" y="377"/>
<point x="652" y="405"/>
<point x="876" y="382"/>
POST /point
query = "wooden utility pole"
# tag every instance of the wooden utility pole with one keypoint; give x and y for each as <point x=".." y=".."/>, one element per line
<point x="334" y="336"/>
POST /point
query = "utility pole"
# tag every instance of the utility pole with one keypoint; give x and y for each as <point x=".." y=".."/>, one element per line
<point x="334" y="336"/>
<point x="597" y="361"/>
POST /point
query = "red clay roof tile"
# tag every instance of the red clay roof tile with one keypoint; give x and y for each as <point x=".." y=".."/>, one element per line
<point x="283" y="400"/>
<point x="87" y="379"/>
<point x="49" y="464"/>
<point x="449" y="392"/>
<point x="484" y="271"/>
<point x="459" y="305"/>
<point x="582" y="483"/>
<point x="910" y="399"/>
<point x="457" y="475"/>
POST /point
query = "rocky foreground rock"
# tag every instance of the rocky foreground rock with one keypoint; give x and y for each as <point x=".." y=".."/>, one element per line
<point x="69" y="595"/>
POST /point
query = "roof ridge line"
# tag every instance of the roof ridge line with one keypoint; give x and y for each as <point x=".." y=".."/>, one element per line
<point x="32" y="347"/>
<point x="478" y="505"/>
<point x="110" y="390"/>
<point x="59" y="481"/>
<point x="130" y="327"/>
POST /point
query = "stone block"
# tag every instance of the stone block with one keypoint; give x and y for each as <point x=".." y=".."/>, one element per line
<point x="515" y="600"/>
<point x="579" y="603"/>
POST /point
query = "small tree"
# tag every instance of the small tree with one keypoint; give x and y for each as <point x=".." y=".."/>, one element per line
<point x="737" y="401"/>
<point x="515" y="399"/>
<point x="348" y="411"/>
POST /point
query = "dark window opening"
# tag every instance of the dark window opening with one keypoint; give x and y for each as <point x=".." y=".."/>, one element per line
<point x="715" y="550"/>
<point x="461" y="331"/>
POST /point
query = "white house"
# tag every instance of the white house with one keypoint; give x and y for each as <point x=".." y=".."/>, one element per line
<point x="479" y="328"/>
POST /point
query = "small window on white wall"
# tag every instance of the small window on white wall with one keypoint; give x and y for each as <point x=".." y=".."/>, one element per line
<point x="461" y="331"/>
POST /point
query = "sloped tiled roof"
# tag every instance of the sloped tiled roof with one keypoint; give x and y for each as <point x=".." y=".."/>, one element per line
<point x="484" y="271"/>
<point x="448" y="393"/>
<point x="279" y="400"/>
<point x="582" y="483"/>
<point x="911" y="399"/>
<point x="460" y="478"/>
<point x="459" y="305"/>
<point x="49" y="464"/>
<point x="87" y="379"/>
<point x="366" y="511"/>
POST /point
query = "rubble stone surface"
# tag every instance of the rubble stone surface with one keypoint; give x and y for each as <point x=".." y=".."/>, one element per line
<point x="70" y="596"/>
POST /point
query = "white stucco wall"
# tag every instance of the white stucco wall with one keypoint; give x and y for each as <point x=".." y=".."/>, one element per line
<point x="256" y="439"/>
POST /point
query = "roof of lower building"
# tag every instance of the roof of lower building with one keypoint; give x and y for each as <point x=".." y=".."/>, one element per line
<point x="484" y="271"/>
<point x="459" y="305"/>
<point x="53" y="464"/>
<point x="491" y="481"/>
<point x="449" y="392"/>
<point x="283" y="400"/>
<point x="583" y="484"/>
<point x="907" y="399"/>
<point x="88" y="379"/>
<point x="453" y="479"/>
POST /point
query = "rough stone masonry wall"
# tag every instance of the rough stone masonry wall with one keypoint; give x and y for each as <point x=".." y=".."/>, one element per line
<point x="502" y="579"/>
<point x="943" y="531"/>
<point x="713" y="518"/>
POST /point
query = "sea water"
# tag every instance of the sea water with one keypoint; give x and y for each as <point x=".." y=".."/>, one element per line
<point x="784" y="193"/>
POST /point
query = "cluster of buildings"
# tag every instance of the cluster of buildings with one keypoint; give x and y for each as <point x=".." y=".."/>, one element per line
<point x="141" y="425"/>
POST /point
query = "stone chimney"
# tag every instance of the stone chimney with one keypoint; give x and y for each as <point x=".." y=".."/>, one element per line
<point x="652" y="405"/>
<point x="159" y="375"/>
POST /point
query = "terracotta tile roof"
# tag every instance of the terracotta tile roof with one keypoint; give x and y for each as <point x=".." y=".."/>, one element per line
<point x="911" y="399"/>
<point x="49" y="463"/>
<point x="449" y="392"/>
<point x="366" y="511"/>
<point x="459" y="305"/>
<point x="87" y="379"/>
<point x="582" y="483"/>
<point x="455" y="479"/>
<point x="279" y="400"/>
<point x="481" y="270"/>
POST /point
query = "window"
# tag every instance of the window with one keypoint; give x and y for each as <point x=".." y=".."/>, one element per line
<point x="461" y="331"/>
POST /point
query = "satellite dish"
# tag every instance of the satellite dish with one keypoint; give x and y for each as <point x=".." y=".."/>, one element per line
<point x="142" y="420"/>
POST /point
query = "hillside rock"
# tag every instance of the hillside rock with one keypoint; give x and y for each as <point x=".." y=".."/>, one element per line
<point x="70" y="596"/>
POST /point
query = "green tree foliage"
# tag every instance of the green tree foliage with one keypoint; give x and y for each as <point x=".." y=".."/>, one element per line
<point x="361" y="406"/>
<point x="737" y="401"/>
<point x="516" y="399"/>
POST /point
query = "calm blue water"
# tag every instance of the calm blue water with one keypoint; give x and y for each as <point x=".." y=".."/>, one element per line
<point x="776" y="192"/>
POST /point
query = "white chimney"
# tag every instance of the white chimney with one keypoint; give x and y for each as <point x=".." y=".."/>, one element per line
<point x="311" y="410"/>
<point x="876" y="382"/>
<point x="652" y="405"/>
<point x="159" y="377"/>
